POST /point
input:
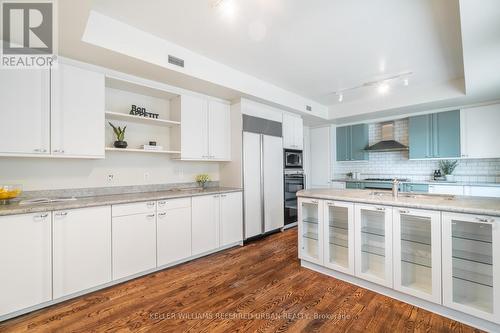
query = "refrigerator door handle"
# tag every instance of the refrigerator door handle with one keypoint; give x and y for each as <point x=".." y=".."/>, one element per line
<point x="263" y="216"/>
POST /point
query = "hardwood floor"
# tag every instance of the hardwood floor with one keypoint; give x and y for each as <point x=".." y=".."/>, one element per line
<point x="260" y="287"/>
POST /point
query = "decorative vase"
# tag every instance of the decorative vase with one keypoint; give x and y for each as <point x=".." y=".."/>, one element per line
<point x="450" y="178"/>
<point x="121" y="144"/>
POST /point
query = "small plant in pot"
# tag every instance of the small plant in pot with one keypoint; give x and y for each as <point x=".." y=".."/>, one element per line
<point x="120" y="136"/>
<point x="448" y="167"/>
<point x="202" y="180"/>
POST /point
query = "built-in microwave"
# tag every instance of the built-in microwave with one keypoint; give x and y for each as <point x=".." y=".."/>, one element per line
<point x="293" y="159"/>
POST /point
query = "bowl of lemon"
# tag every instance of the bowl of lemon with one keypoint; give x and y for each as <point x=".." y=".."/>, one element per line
<point x="9" y="192"/>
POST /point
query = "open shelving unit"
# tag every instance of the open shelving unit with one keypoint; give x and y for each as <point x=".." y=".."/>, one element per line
<point x="133" y="150"/>
<point x="139" y="119"/>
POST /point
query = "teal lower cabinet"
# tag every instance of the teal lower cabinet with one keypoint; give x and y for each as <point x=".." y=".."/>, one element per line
<point x="355" y="185"/>
<point x="435" y="135"/>
<point x="424" y="188"/>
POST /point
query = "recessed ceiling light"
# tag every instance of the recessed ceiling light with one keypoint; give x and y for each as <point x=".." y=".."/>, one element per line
<point x="227" y="8"/>
<point x="383" y="88"/>
<point x="406" y="82"/>
<point x="341" y="98"/>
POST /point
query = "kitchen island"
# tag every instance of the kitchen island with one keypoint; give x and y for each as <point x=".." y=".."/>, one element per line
<point x="438" y="252"/>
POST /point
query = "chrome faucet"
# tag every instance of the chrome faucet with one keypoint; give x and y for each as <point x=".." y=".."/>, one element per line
<point x="395" y="188"/>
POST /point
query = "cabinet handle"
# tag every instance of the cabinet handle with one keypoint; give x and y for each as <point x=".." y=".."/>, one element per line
<point x="216" y="196"/>
<point x="40" y="150"/>
<point x="162" y="202"/>
<point x="161" y="214"/>
<point x="61" y="214"/>
<point x="150" y="216"/>
<point x="380" y="208"/>
<point x="403" y="211"/>
<point x="314" y="201"/>
<point x="485" y="220"/>
<point x="40" y="217"/>
<point x="330" y="204"/>
<point x="59" y="151"/>
<point x="223" y="195"/>
<point x="150" y="204"/>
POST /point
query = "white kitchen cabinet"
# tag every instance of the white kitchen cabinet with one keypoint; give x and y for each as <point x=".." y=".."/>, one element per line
<point x="293" y="132"/>
<point x="81" y="249"/>
<point x="311" y="220"/>
<point x="339" y="236"/>
<point x="446" y="189"/>
<point x="77" y="110"/>
<point x="373" y="243"/>
<point x="219" y="131"/>
<point x="25" y="261"/>
<point x="417" y="253"/>
<point x="231" y="218"/>
<point x="479" y="133"/>
<point x="205" y="215"/>
<point x="173" y="230"/>
<point x="133" y="241"/>
<point x="25" y="124"/>
<point x="205" y="130"/>
<point x="471" y="269"/>
<point x="482" y="191"/>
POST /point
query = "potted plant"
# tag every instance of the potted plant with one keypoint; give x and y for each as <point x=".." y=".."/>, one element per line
<point x="202" y="180"/>
<point x="448" y="167"/>
<point x="120" y="136"/>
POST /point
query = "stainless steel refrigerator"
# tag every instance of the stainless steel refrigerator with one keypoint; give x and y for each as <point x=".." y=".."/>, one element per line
<point x="262" y="176"/>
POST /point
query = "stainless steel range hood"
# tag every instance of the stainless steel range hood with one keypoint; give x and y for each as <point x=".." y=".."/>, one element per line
<point x="388" y="143"/>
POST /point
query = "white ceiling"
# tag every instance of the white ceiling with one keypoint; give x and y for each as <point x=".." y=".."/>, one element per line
<point x="312" y="47"/>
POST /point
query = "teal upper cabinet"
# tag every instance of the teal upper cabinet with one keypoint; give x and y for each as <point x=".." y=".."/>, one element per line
<point x="435" y="135"/>
<point x="352" y="142"/>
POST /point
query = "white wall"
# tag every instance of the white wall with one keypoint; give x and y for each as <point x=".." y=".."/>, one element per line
<point x="127" y="169"/>
<point x="396" y="164"/>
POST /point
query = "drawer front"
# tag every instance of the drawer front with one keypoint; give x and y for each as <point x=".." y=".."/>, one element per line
<point x="134" y="208"/>
<point x="164" y="205"/>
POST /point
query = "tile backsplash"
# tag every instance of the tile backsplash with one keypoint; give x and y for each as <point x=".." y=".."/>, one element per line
<point x="396" y="164"/>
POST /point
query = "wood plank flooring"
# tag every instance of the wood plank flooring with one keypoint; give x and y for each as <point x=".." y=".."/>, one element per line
<point x="256" y="288"/>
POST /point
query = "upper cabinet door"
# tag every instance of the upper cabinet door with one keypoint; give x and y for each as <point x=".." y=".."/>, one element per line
<point x="299" y="133"/>
<point x="25" y="97"/>
<point x="419" y="133"/>
<point x="293" y="132"/>
<point x="194" y="127"/>
<point x="77" y="115"/>
<point x="446" y="141"/>
<point x="343" y="145"/>
<point x="359" y="142"/>
<point x="219" y="124"/>
<point x="479" y="132"/>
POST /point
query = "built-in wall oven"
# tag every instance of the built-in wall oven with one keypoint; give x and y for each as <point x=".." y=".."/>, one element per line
<point x="293" y="159"/>
<point x="294" y="181"/>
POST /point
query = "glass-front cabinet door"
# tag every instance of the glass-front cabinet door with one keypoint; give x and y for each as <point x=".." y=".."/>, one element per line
<point x="417" y="253"/>
<point x="311" y="230"/>
<point x="373" y="243"/>
<point x="339" y="236"/>
<point x="471" y="260"/>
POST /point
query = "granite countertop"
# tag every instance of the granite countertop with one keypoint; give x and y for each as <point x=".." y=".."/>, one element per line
<point x="457" y="204"/>
<point x="114" y="199"/>
<point x="426" y="182"/>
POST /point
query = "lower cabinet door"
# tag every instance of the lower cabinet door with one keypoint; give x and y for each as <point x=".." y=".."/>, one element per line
<point x="81" y="249"/>
<point x="134" y="244"/>
<point x="311" y="230"/>
<point x="174" y="231"/>
<point x="231" y="218"/>
<point x="205" y="223"/>
<point x="339" y="236"/>
<point x="25" y="261"/>
<point x="471" y="269"/>
<point x="417" y="253"/>
<point x="373" y="241"/>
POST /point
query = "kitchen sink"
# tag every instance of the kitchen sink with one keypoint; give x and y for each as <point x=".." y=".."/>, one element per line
<point x="413" y="195"/>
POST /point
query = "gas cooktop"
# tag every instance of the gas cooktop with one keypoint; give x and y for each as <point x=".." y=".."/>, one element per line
<point x="388" y="179"/>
